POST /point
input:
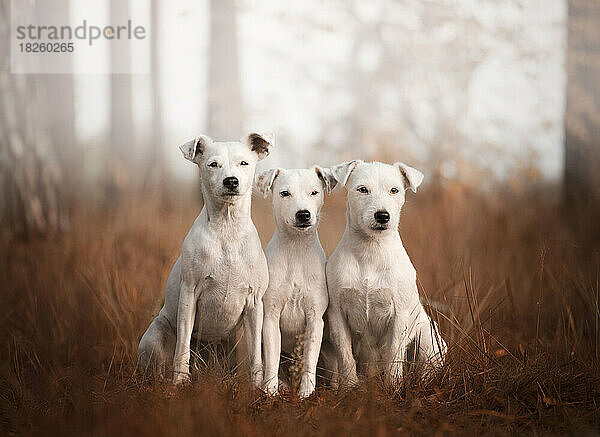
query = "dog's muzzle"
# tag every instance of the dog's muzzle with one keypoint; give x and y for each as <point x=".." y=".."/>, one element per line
<point x="381" y="218"/>
<point x="303" y="218"/>
<point x="231" y="183"/>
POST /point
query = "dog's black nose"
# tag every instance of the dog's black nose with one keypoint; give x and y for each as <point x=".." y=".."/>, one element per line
<point x="303" y="216"/>
<point x="231" y="182"/>
<point x="382" y="217"/>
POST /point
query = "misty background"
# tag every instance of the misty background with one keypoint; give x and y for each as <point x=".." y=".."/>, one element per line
<point x="478" y="93"/>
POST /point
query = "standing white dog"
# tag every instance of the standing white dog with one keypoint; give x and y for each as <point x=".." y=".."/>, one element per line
<point x="373" y="296"/>
<point x="297" y="294"/>
<point x="221" y="275"/>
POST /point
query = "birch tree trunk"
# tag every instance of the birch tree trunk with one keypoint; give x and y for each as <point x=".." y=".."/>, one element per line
<point x="30" y="177"/>
<point x="59" y="92"/>
<point x="155" y="177"/>
<point x="121" y="151"/>
<point x="582" y="119"/>
<point x="224" y="93"/>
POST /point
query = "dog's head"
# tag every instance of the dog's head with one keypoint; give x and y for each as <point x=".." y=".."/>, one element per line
<point x="227" y="168"/>
<point x="376" y="193"/>
<point x="297" y="195"/>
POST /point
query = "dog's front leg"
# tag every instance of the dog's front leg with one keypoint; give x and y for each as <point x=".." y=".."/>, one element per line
<point x="394" y="353"/>
<point x="272" y="346"/>
<point x="342" y="342"/>
<point x="186" y="315"/>
<point x="312" y="347"/>
<point x="253" y="321"/>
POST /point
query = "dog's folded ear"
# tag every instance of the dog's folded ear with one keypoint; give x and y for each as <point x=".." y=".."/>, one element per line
<point x="259" y="143"/>
<point x="264" y="180"/>
<point x="194" y="149"/>
<point x="341" y="172"/>
<point x="411" y="177"/>
<point x="326" y="177"/>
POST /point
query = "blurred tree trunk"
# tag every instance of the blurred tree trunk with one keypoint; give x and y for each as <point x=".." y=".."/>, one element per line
<point x="58" y="90"/>
<point x="122" y="148"/>
<point x="224" y="93"/>
<point x="30" y="177"/>
<point x="582" y="119"/>
<point x="155" y="171"/>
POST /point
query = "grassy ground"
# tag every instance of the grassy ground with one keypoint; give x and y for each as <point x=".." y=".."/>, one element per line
<point x="517" y="281"/>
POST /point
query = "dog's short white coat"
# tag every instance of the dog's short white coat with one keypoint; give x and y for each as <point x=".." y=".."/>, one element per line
<point x="296" y="297"/>
<point x="372" y="287"/>
<point x="219" y="279"/>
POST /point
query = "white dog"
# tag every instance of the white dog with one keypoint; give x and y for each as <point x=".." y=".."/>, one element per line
<point x="297" y="294"/>
<point x="373" y="296"/>
<point x="221" y="275"/>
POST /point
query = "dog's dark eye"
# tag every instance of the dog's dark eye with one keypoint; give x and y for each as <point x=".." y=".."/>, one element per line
<point x="314" y="193"/>
<point x="243" y="163"/>
<point x="362" y="189"/>
<point x="285" y="193"/>
<point x="213" y="164"/>
<point x="394" y="190"/>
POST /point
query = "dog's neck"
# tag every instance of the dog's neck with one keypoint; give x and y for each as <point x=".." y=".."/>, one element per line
<point x="219" y="210"/>
<point x="290" y="236"/>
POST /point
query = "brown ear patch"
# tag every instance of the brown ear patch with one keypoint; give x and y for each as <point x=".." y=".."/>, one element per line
<point x="200" y="146"/>
<point x="326" y="177"/>
<point x="193" y="149"/>
<point x="258" y="144"/>
<point x="264" y="181"/>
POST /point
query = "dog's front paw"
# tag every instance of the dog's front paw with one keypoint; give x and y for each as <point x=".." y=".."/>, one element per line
<point x="305" y="392"/>
<point x="307" y="386"/>
<point x="181" y="378"/>
<point x="257" y="379"/>
<point x="271" y="386"/>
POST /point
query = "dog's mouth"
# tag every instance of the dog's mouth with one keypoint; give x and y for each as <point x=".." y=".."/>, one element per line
<point x="231" y="193"/>
<point x="303" y="225"/>
<point x="379" y="227"/>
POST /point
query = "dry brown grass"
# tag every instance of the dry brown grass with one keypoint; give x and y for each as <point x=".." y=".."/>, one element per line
<point x="519" y="279"/>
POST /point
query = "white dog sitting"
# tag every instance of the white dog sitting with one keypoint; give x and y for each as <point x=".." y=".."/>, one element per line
<point x="373" y="296"/>
<point x="221" y="275"/>
<point x="296" y="298"/>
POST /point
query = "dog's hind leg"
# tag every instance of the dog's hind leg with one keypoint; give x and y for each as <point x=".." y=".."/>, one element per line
<point x="157" y="348"/>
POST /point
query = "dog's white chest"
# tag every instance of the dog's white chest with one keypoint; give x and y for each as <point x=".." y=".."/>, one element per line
<point x="297" y="291"/>
<point x="220" y="309"/>
<point x="368" y="302"/>
<point x="374" y="291"/>
<point x="293" y="316"/>
<point x="224" y="288"/>
<point x="297" y="297"/>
